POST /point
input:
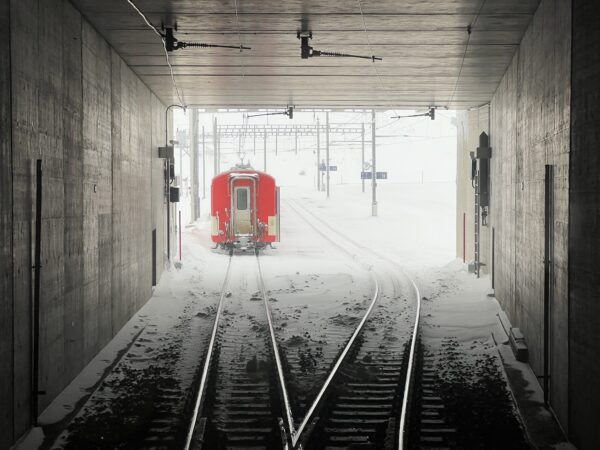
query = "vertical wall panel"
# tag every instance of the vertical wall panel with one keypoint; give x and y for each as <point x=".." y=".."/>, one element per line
<point x="157" y="177"/>
<point x="117" y="205"/>
<point x="584" y="224"/>
<point x="529" y="129"/>
<point x="97" y="188"/>
<point x="6" y="267"/>
<point x="73" y="191"/>
<point x="79" y="108"/>
<point x="470" y="125"/>
<point x="25" y="140"/>
<point x="50" y="147"/>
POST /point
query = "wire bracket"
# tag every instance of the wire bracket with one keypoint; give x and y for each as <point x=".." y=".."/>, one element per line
<point x="172" y="43"/>
<point x="430" y="113"/>
<point x="306" y="51"/>
<point x="289" y="111"/>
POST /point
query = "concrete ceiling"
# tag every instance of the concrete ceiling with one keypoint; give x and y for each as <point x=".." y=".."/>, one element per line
<point x="423" y="44"/>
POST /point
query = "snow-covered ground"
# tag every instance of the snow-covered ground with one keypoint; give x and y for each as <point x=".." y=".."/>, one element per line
<point x="318" y="291"/>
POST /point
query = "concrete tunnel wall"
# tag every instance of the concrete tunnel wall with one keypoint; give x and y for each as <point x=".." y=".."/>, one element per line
<point x="529" y="128"/>
<point x="584" y="228"/>
<point x="544" y="112"/>
<point x="66" y="97"/>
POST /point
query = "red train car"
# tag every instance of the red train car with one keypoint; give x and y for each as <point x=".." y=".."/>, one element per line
<point x="244" y="209"/>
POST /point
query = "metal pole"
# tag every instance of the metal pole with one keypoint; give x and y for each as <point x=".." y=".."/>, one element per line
<point x="239" y="145"/>
<point x="179" y="235"/>
<point x="218" y="152"/>
<point x="327" y="151"/>
<point x="36" y="295"/>
<point x="168" y="194"/>
<point x="296" y="135"/>
<point x="181" y="161"/>
<point x="374" y="167"/>
<point x="215" y="149"/>
<point x="362" y="161"/>
<point x="194" y="163"/>
<point x="318" y="157"/>
<point x="548" y="272"/>
<point x="464" y="237"/>
<point x="203" y="164"/>
<point x="265" y="152"/>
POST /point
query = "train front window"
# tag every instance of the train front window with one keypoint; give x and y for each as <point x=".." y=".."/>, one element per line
<point x="241" y="201"/>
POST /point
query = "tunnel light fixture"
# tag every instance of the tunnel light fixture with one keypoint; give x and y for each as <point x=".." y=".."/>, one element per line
<point x="172" y="43"/>
<point x="306" y="51"/>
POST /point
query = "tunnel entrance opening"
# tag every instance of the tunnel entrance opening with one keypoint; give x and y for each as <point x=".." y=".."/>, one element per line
<point x="330" y="154"/>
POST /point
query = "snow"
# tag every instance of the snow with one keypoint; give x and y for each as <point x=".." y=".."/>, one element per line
<point x="178" y="310"/>
<point x="318" y="292"/>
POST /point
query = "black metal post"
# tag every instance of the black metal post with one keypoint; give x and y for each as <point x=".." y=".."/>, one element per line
<point x="548" y="256"/>
<point x="215" y="148"/>
<point x="168" y="193"/>
<point x="265" y="153"/>
<point x="318" y="157"/>
<point x="362" y="158"/>
<point x="373" y="165"/>
<point x="327" y="151"/>
<point x="493" y="257"/>
<point x="35" y="390"/>
<point x="203" y="164"/>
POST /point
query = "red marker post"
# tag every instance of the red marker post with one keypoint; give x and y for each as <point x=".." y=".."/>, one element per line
<point x="179" y="235"/>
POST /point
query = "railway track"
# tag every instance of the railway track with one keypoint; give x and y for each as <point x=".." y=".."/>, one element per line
<point x="364" y="399"/>
<point x="367" y="400"/>
<point x="241" y="400"/>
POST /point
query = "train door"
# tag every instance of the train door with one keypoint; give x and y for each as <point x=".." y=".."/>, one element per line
<point x="242" y="217"/>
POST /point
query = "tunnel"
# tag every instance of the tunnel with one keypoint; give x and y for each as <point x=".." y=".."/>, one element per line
<point x="299" y="224"/>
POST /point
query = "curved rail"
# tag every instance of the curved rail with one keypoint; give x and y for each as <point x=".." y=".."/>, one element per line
<point x="282" y="388"/>
<point x="409" y="372"/>
<point x="296" y="436"/>
<point x="309" y="415"/>
<point x="207" y="361"/>
<point x="411" y="360"/>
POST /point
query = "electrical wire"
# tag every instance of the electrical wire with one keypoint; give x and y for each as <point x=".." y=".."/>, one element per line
<point x="162" y="38"/>
<point x="362" y="16"/>
<point x="237" y="23"/>
<point x="462" y="63"/>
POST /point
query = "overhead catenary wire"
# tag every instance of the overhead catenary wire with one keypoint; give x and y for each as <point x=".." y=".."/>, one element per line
<point x="157" y="31"/>
<point x="462" y="63"/>
<point x="237" y="23"/>
<point x="362" y="16"/>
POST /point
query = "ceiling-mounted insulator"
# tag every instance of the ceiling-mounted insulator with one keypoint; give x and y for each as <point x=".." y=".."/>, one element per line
<point x="306" y="51"/>
<point x="430" y="114"/>
<point x="289" y="111"/>
<point x="172" y="43"/>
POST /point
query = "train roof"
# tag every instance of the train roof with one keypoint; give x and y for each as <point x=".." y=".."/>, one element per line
<point x="243" y="171"/>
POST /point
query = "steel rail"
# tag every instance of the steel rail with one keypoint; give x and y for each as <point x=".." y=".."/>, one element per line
<point x="207" y="361"/>
<point x="409" y="371"/>
<point x="298" y="434"/>
<point x="284" y="394"/>
<point x="335" y="244"/>
<point x="411" y="360"/>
